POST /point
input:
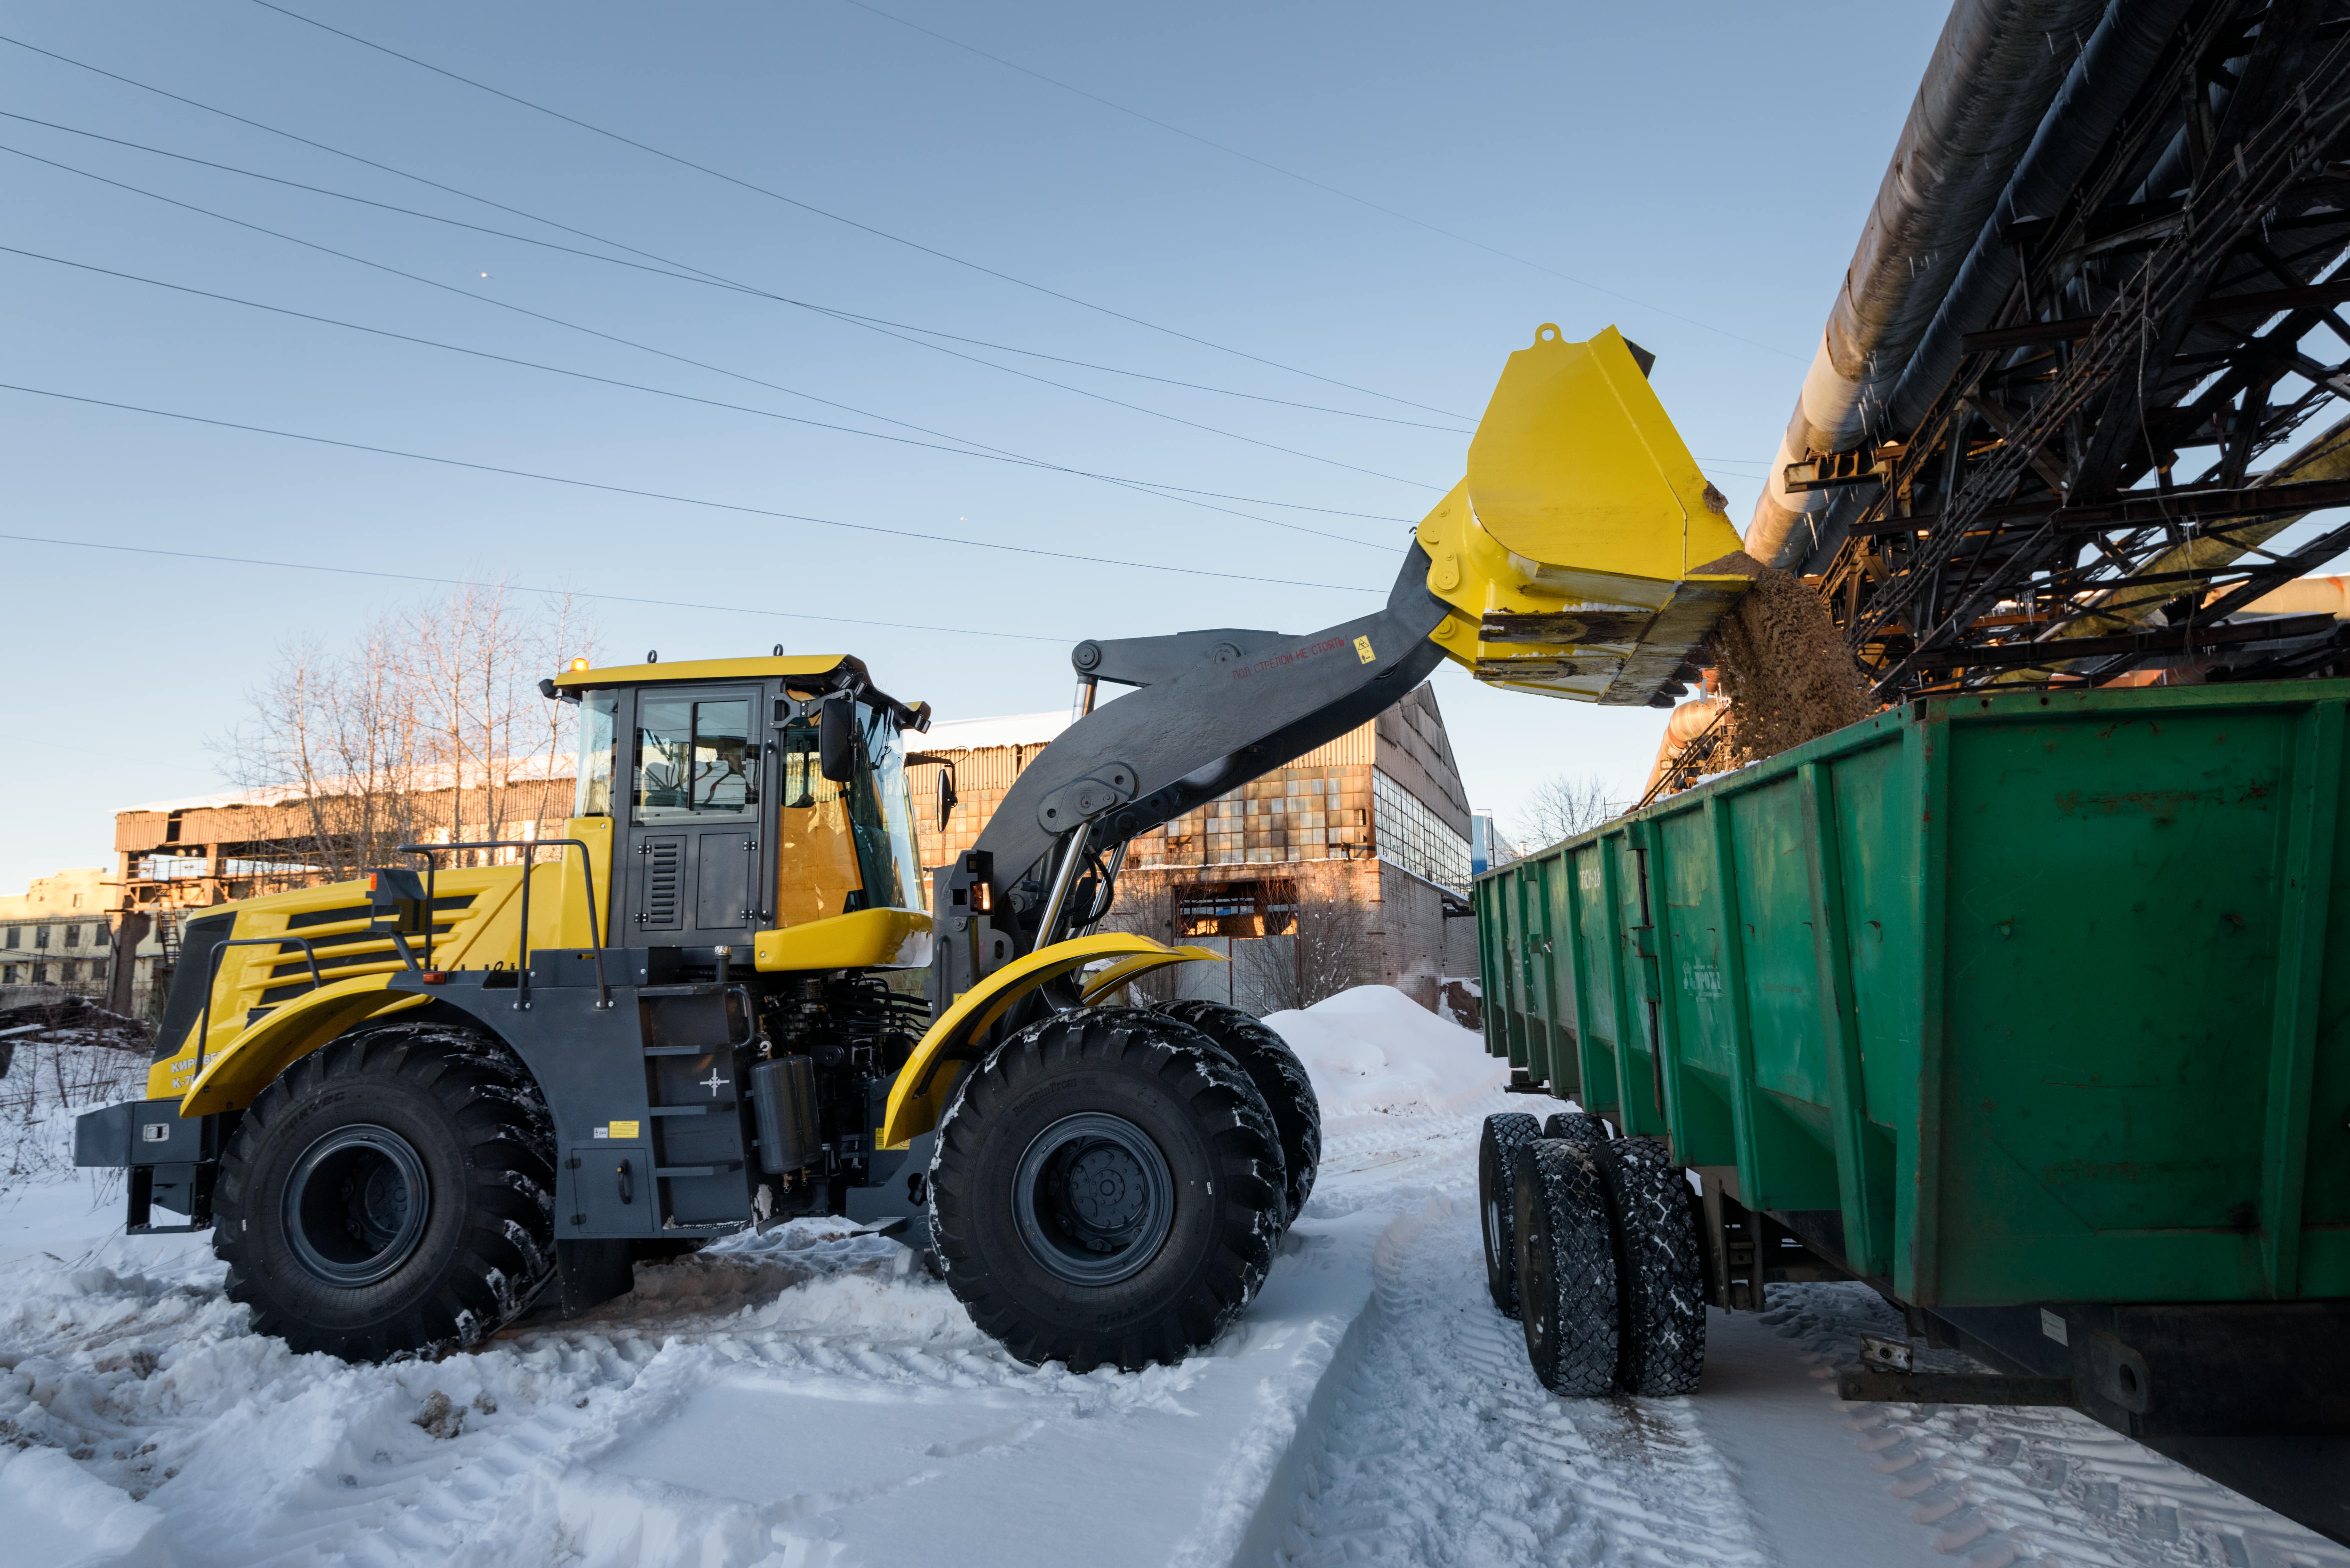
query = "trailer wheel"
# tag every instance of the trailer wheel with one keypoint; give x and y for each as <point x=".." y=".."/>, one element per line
<point x="1660" y="1267"/>
<point x="1578" y="1126"/>
<point x="1566" y="1269"/>
<point x="1507" y="1135"/>
<point x="389" y="1196"/>
<point x="1278" y="1075"/>
<point x="1107" y="1188"/>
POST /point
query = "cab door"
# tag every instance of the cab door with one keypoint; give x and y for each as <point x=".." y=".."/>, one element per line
<point x="691" y="868"/>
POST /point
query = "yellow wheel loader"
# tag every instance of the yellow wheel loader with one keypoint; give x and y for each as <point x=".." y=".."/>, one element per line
<point x="414" y="1107"/>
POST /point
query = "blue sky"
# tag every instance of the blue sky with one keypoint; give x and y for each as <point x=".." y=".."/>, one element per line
<point x="1696" y="174"/>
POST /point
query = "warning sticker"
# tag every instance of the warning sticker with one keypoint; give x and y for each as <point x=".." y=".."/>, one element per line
<point x="1363" y="650"/>
<point x="616" y="1129"/>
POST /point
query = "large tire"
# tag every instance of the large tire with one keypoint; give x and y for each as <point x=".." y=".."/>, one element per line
<point x="1566" y="1269"/>
<point x="390" y="1196"/>
<point x="1107" y="1188"/>
<point x="1278" y="1075"/>
<point x="1578" y="1126"/>
<point x="1660" y="1271"/>
<point x="1507" y="1135"/>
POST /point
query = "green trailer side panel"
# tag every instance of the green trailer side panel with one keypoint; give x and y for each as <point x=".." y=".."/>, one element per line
<point x="1489" y="965"/>
<point x="1512" y="919"/>
<point x="2095" y="1106"/>
<point x="1773" y="875"/>
<point x="1595" y="939"/>
<point x="1566" y="1053"/>
<point x="1533" y="907"/>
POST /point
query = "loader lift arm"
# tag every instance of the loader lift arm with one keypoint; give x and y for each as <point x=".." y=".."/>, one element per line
<point x="1213" y="710"/>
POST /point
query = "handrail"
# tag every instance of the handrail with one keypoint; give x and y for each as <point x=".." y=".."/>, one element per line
<point x="586" y="872"/>
<point x="212" y="977"/>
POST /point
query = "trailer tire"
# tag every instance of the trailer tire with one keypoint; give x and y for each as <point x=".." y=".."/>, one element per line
<point x="1507" y="1135"/>
<point x="1182" y="1147"/>
<point x="1660" y="1267"/>
<point x="1578" y="1126"/>
<point x="1566" y="1269"/>
<point x="1279" y="1076"/>
<point x="390" y="1195"/>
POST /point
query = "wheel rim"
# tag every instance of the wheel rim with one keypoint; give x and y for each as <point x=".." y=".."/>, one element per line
<point x="1093" y="1200"/>
<point x="356" y="1205"/>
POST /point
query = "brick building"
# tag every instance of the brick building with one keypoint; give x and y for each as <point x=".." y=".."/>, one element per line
<point x="1376" y="820"/>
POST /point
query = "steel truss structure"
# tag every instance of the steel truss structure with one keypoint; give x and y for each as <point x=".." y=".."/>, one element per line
<point x="2104" y="479"/>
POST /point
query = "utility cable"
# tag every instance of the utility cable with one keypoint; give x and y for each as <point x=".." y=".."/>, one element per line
<point x="654" y="391"/>
<point x="678" y="500"/>
<point x="684" y="163"/>
<point x="523" y="588"/>
<point x="694" y="275"/>
<point x="1301" y="179"/>
<point x="650" y="255"/>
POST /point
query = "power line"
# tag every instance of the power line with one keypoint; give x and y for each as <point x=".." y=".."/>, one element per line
<point x="678" y="500"/>
<point x="847" y="315"/>
<point x="695" y="276"/>
<point x="523" y="588"/>
<point x="990" y="456"/>
<point x="836" y="217"/>
<point x="1300" y="179"/>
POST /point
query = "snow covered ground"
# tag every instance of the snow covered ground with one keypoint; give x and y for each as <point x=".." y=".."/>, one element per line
<point x="808" y="1397"/>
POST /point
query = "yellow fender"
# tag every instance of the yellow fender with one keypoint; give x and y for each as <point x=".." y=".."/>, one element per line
<point x="234" y="1075"/>
<point x="918" y="1098"/>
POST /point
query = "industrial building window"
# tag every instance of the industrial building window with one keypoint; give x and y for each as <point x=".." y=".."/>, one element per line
<point x="1265" y="909"/>
<point x="73" y="936"/>
<point x="1411" y="836"/>
<point x="40" y="936"/>
<point x="14" y="932"/>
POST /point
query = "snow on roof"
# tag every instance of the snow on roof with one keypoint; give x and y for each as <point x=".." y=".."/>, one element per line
<point x="1008" y="730"/>
<point x="530" y="770"/>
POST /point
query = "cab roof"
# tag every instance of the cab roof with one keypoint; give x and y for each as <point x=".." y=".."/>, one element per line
<point x="835" y="671"/>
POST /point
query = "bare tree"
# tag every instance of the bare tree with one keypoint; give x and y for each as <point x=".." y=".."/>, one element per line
<point x="430" y="726"/>
<point x="1562" y="806"/>
<point x="1329" y="948"/>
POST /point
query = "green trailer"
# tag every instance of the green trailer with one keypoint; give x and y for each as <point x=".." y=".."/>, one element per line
<point x="2031" y="1011"/>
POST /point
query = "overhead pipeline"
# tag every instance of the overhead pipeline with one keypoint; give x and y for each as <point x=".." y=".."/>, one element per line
<point x="1995" y="68"/>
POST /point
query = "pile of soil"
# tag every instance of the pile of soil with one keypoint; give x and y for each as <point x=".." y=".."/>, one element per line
<point x="1783" y="666"/>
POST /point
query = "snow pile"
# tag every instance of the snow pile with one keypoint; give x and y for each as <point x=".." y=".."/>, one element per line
<point x="54" y="1074"/>
<point x="1372" y="1051"/>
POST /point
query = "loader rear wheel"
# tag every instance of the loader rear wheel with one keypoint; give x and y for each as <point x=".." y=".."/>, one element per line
<point x="1278" y="1075"/>
<point x="1566" y="1269"/>
<point x="1660" y="1273"/>
<point x="1106" y="1189"/>
<point x="389" y="1196"/>
<point x="1506" y="1136"/>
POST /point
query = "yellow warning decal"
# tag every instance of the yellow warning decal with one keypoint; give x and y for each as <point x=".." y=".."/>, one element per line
<point x="1363" y="650"/>
<point x="624" y="1129"/>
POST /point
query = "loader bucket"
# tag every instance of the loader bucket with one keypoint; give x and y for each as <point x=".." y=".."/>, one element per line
<point x="1585" y="556"/>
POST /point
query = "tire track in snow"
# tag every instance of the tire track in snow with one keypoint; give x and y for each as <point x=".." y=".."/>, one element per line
<point x="1442" y="1448"/>
<point x="2047" y="1487"/>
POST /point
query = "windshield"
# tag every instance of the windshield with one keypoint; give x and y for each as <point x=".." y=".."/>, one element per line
<point x="885" y="826"/>
<point x="847" y="846"/>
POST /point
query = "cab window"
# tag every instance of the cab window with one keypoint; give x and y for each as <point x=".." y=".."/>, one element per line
<point x="598" y="735"/>
<point x="695" y="759"/>
<point x="817" y="871"/>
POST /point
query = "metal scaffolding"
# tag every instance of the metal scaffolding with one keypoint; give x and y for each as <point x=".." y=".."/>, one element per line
<point x="2079" y="496"/>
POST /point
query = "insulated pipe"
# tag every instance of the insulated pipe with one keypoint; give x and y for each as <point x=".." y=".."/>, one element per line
<point x="1688" y="721"/>
<point x="2124" y="50"/>
<point x="1995" y="69"/>
<point x="2306" y="596"/>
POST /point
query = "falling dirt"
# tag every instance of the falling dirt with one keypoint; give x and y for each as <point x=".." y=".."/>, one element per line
<point x="1783" y="666"/>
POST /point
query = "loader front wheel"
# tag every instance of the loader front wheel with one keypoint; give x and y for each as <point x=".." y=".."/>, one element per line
<point x="389" y="1196"/>
<point x="1278" y="1075"/>
<point x="1106" y="1189"/>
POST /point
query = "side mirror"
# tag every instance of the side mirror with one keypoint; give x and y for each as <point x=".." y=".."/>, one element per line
<point x="836" y="737"/>
<point x="947" y="797"/>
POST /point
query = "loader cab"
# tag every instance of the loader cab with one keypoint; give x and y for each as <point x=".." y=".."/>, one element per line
<point x="745" y="795"/>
